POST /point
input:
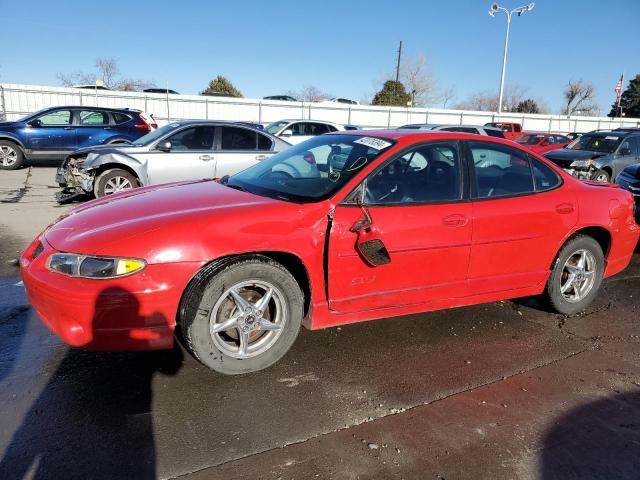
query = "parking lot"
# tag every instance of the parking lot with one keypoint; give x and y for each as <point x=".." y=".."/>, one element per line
<point x="502" y="390"/>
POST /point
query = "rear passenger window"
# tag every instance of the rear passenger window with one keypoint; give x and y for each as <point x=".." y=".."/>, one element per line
<point x="236" y="138"/>
<point x="545" y="178"/>
<point x="91" y="117"/>
<point x="264" y="142"/>
<point x="427" y="174"/>
<point x="501" y="171"/>
<point x="120" y="118"/>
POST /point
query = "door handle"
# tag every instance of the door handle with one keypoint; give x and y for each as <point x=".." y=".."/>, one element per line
<point x="565" y="208"/>
<point x="455" y="220"/>
<point x="68" y="128"/>
<point x="107" y="128"/>
<point x="206" y="158"/>
<point x="261" y="157"/>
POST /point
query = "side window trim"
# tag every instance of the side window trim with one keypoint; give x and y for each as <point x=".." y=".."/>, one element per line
<point x="463" y="176"/>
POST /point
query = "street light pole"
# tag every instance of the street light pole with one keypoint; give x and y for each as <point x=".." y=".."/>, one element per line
<point x="492" y="11"/>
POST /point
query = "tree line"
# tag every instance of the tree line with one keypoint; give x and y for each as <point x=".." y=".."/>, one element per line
<point x="416" y="86"/>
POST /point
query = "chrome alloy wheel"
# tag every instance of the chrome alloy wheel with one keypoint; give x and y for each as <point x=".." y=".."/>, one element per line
<point x="578" y="276"/>
<point x="248" y="319"/>
<point x="117" y="184"/>
<point x="8" y="155"/>
<point x="603" y="177"/>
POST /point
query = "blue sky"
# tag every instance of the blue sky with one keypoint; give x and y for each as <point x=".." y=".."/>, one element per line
<point x="343" y="47"/>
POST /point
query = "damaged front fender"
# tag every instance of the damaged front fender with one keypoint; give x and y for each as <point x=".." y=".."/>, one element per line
<point x="94" y="162"/>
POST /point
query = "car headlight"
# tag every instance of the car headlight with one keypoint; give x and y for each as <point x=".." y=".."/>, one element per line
<point x="582" y="163"/>
<point x="92" y="266"/>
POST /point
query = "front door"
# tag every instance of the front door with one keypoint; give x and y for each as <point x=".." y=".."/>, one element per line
<point x="417" y="207"/>
<point x="52" y="134"/>
<point x="520" y="217"/>
<point x="191" y="156"/>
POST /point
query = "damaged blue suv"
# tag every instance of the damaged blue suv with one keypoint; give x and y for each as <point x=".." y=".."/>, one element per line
<point x="53" y="133"/>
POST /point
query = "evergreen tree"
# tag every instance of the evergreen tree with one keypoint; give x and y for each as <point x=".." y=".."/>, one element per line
<point x="221" y="85"/>
<point x="393" y="94"/>
<point x="527" y="106"/>
<point x="630" y="100"/>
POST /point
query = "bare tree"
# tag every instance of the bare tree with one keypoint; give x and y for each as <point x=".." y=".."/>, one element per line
<point x="488" y="101"/>
<point x="309" y="93"/>
<point x="448" y="95"/>
<point x="580" y="98"/>
<point x="106" y="69"/>
<point x="418" y="80"/>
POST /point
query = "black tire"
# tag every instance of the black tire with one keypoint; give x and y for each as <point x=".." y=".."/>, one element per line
<point x="603" y="175"/>
<point x="207" y="290"/>
<point x="553" y="294"/>
<point x="102" y="180"/>
<point x="11" y="155"/>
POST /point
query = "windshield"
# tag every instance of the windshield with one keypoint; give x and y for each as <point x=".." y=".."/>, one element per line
<point x="275" y="127"/>
<point x="312" y="170"/>
<point x="529" y="139"/>
<point x="596" y="143"/>
<point x="155" y="135"/>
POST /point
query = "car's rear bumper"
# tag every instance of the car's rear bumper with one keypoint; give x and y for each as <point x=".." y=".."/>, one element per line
<point x="137" y="312"/>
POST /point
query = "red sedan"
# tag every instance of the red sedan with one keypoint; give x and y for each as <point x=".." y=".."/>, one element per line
<point x="543" y="142"/>
<point x="343" y="228"/>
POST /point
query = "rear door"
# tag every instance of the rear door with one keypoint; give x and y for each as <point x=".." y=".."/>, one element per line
<point x="521" y="213"/>
<point x="417" y="207"/>
<point x="93" y="127"/>
<point x="191" y="157"/>
<point x="239" y="148"/>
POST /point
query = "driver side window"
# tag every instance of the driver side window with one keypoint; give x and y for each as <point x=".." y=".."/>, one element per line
<point x="429" y="173"/>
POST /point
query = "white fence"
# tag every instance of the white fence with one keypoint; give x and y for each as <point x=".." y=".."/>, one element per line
<point x="19" y="100"/>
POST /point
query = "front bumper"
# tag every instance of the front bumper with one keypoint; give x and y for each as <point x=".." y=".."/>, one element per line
<point x="137" y="312"/>
<point x="73" y="181"/>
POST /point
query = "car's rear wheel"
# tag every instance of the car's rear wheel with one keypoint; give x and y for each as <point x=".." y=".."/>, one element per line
<point x="11" y="156"/>
<point x="576" y="276"/>
<point x="602" y="176"/>
<point x="241" y="316"/>
<point x="114" y="181"/>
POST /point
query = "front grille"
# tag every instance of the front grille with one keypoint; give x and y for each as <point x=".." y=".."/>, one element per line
<point x="37" y="251"/>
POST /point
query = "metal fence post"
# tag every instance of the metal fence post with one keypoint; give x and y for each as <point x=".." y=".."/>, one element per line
<point x="206" y="108"/>
<point x="260" y="112"/>
<point x="349" y="119"/>
<point x="389" y="119"/>
<point x="3" y="110"/>
<point x="426" y="116"/>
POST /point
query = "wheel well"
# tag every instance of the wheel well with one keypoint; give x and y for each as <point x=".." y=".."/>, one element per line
<point x="111" y="166"/>
<point x="14" y="141"/>
<point x="288" y="260"/>
<point x="599" y="234"/>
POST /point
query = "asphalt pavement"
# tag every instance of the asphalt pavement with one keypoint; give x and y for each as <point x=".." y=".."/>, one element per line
<point x="498" y="391"/>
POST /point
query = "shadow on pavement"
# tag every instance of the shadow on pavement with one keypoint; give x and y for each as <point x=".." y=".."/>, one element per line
<point x="93" y="419"/>
<point x="598" y="441"/>
<point x="13" y="324"/>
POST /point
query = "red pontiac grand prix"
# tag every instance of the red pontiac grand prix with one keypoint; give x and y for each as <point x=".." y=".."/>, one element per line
<point x="342" y="228"/>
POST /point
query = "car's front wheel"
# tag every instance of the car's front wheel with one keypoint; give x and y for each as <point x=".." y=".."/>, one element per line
<point x="602" y="176"/>
<point x="11" y="157"/>
<point x="576" y="276"/>
<point x="240" y="316"/>
<point x="113" y="181"/>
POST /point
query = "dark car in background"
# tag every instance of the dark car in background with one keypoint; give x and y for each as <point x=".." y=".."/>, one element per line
<point x="599" y="155"/>
<point x="282" y="98"/>
<point x="629" y="179"/>
<point x="53" y="133"/>
<point x="163" y="91"/>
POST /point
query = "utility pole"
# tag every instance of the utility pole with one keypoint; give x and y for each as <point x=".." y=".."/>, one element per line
<point x="395" y="87"/>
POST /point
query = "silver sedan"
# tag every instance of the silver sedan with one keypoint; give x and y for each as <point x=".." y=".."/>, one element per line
<point x="185" y="150"/>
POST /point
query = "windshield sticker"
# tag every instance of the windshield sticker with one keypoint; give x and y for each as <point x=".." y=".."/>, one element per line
<point x="373" y="143"/>
<point x="611" y="138"/>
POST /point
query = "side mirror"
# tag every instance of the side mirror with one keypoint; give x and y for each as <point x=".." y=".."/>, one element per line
<point x="164" y="146"/>
<point x="623" y="152"/>
<point x="369" y="246"/>
<point x="35" y="123"/>
<point x="287" y="133"/>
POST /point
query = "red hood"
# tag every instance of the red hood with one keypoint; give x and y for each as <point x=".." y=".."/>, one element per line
<point x="177" y="210"/>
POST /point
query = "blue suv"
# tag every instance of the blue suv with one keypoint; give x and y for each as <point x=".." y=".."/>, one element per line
<point x="53" y="133"/>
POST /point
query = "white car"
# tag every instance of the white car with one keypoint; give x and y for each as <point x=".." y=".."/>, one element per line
<point x="345" y="101"/>
<point x="184" y="150"/>
<point x="297" y="131"/>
